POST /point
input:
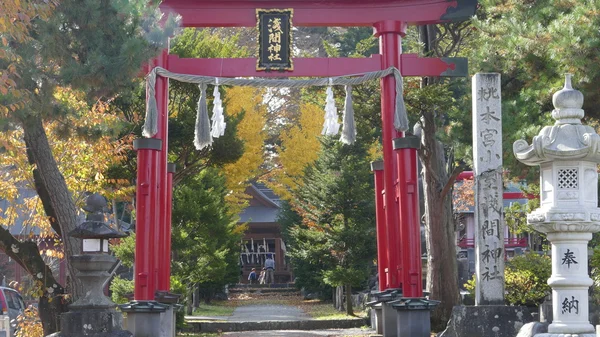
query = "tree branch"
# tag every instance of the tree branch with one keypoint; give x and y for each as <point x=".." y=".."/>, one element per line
<point x="457" y="170"/>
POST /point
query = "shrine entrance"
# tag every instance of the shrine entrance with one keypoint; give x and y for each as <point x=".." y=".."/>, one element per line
<point x="398" y="218"/>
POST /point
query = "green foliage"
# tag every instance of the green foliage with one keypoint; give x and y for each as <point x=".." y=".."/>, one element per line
<point x="178" y="287"/>
<point x="532" y="44"/>
<point x="329" y="223"/>
<point x="351" y="42"/>
<point x="526" y="279"/>
<point x="594" y="265"/>
<point x="206" y="236"/>
<point x="119" y="289"/>
<point x="102" y="44"/>
<point x="340" y="276"/>
<point x="124" y="250"/>
<point x="470" y="285"/>
<point x="516" y="214"/>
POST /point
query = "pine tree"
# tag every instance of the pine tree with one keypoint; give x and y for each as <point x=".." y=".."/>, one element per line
<point x="533" y="44"/>
<point x="206" y="236"/>
<point x="332" y="237"/>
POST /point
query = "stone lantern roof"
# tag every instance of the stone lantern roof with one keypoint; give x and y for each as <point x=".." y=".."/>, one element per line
<point x="99" y="223"/>
<point x="567" y="139"/>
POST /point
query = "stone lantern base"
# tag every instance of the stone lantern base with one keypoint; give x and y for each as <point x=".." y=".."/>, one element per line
<point x="487" y="320"/>
<point x="94" y="323"/>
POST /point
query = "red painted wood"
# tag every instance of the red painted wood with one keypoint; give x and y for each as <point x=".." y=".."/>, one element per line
<point x="465" y="175"/>
<point x="412" y="65"/>
<point x="410" y="227"/>
<point x="336" y="13"/>
<point x="508" y="243"/>
<point x="518" y="195"/>
<point x="166" y="258"/>
<point x="390" y="48"/>
<point x="382" y="261"/>
<point x="246" y="67"/>
<point x="145" y="205"/>
<point x="161" y="249"/>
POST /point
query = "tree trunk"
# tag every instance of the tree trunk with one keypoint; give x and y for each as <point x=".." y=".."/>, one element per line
<point x="189" y="302"/>
<point x="349" y="310"/>
<point x="442" y="273"/>
<point x="64" y="215"/>
<point x="197" y="297"/>
<point x="338" y="298"/>
<point x="50" y="311"/>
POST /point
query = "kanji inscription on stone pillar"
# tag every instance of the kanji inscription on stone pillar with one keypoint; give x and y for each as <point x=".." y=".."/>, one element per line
<point x="489" y="219"/>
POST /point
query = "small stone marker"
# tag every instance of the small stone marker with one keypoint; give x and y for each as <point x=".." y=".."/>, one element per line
<point x="489" y="219"/>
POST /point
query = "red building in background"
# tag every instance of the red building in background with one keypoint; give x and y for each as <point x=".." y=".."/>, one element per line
<point x="465" y="216"/>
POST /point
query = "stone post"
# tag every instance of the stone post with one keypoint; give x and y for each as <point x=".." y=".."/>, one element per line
<point x="489" y="316"/>
<point x="567" y="153"/>
<point x="489" y="219"/>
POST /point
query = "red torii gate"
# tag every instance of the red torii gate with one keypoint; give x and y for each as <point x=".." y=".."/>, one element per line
<point x="399" y="228"/>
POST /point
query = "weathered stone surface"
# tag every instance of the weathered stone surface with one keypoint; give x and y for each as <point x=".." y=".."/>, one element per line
<point x="414" y="323"/>
<point x="278" y="325"/>
<point x="532" y="329"/>
<point x="94" y="323"/>
<point x="489" y="216"/>
<point x="486" y="321"/>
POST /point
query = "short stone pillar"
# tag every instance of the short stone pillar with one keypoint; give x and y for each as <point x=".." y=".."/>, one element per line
<point x="386" y="321"/>
<point x="413" y="316"/>
<point x="567" y="153"/>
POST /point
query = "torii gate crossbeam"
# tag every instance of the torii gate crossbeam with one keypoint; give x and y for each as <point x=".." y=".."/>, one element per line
<point x="389" y="19"/>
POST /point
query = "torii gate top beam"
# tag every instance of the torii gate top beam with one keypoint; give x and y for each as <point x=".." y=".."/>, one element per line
<point x="331" y="13"/>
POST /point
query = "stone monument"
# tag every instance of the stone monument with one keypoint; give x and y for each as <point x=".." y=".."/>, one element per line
<point x="568" y="154"/>
<point x="489" y="316"/>
<point x="487" y="166"/>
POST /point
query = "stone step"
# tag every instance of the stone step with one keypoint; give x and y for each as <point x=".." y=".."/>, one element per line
<point x="264" y="295"/>
<point x="207" y="326"/>
<point x="272" y="285"/>
<point x="263" y="289"/>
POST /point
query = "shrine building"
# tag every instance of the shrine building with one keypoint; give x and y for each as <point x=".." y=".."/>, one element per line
<point x="264" y="235"/>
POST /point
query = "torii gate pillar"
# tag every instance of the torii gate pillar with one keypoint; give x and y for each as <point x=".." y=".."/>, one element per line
<point x="390" y="35"/>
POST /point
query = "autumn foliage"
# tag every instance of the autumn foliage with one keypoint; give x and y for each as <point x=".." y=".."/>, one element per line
<point x="299" y="147"/>
<point x="246" y="101"/>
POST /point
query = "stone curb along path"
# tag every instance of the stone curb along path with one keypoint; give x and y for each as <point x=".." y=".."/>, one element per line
<point x="277" y="325"/>
<point x="268" y="317"/>
<point x="300" y="333"/>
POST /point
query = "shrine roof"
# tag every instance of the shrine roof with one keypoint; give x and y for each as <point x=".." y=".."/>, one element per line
<point x="265" y="209"/>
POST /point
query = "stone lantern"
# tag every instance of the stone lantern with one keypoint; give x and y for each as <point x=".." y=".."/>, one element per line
<point x="568" y="153"/>
<point x="98" y="228"/>
<point x="94" y="314"/>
